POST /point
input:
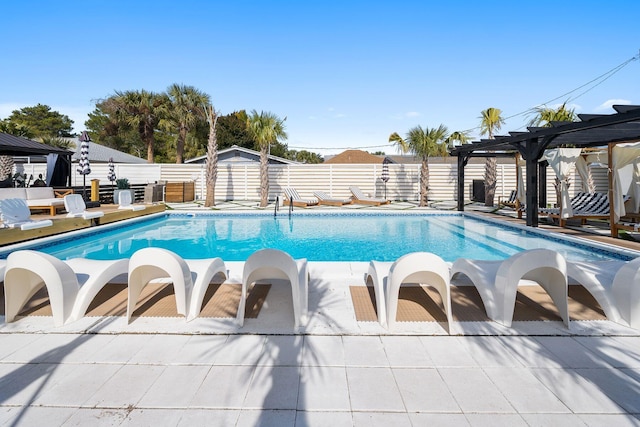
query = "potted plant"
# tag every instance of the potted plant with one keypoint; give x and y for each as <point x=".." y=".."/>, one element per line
<point x="122" y="184"/>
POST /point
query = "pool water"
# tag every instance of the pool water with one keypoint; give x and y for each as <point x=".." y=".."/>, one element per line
<point x="341" y="237"/>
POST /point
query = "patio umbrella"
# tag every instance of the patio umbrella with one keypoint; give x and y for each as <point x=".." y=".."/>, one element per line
<point x="111" y="175"/>
<point x="84" y="168"/>
<point x="385" y="174"/>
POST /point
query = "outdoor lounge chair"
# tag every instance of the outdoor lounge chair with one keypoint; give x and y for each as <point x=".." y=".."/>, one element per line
<point x="510" y="202"/>
<point x="76" y="208"/>
<point x="15" y="213"/>
<point x="189" y="278"/>
<point x="497" y="281"/>
<point x="71" y="285"/>
<point x="361" y="198"/>
<point x="291" y="196"/>
<point x="325" y="199"/>
<point x="417" y="267"/>
<point x="126" y="202"/>
<point x="614" y="284"/>
<point x="266" y="264"/>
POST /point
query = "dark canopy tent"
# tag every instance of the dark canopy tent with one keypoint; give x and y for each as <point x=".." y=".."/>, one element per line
<point x="11" y="145"/>
<point x="594" y="130"/>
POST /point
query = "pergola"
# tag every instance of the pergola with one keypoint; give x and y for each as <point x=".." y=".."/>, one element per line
<point x="11" y="145"/>
<point x="594" y="130"/>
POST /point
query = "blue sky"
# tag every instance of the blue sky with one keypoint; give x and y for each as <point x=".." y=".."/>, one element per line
<point x="346" y="74"/>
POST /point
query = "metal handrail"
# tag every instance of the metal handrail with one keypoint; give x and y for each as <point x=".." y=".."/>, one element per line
<point x="276" y="207"/>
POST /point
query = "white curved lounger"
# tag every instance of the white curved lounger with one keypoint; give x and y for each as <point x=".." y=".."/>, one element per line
<point x="124" y="198"/>
<point x="70" y="291"/>
<point x="76" y="208"/>
<point x="155" y="263"/>
<point x="93" y="275"/>
<point x="202" y="271"/>
<point x="497" y="281"/>
<point x="418" y="267"/>
<point x="378" y="273"/>
<point x="614" y="284"/>
<point x="15" y="213"/>
<point x="276" y="264"/>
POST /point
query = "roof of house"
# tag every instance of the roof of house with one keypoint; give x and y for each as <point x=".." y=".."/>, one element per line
<point x="355" y="156"/>
<point x="101" y="153"/>
<point x="238" y="155"/>
<point x="11" y="145"/>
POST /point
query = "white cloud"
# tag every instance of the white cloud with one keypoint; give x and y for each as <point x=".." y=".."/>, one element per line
<point x="339" y="116"/>
<point x="412" y="114"/>
<point x="611" y="102"/>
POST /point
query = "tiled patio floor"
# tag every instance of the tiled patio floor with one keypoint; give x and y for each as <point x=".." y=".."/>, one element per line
<point x="335" y="372"/>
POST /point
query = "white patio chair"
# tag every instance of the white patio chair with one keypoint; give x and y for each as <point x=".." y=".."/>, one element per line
<point x="275" y="264"/>
<point x="361" y="198"/>
<point x="124" y="198"/>
<point x="76" y="208"/>
<point x="15" y="213"/>
<point x="189" y="278"/>
<point x="614" y="284"/>
<point x="497" y="281"/>
<point x="292" y="197"/>
<point x="70" y="290"/>
<point x="418" y="267"/>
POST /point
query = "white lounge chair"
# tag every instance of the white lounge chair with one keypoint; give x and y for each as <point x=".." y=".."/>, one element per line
<point x="124" y="198"/>
<point x="15" y="213"/>
<point x="497" y="281"/>
<point x="292" y="197"/>
<point x="189" y="277"/>
<point x="76" y="208"/>
<point x="325" y="199"/>
<point x="275" y="264"/>
<point x="614" y="284"/>
<point x="417" y="267"/>
<point x="361" y="198"/>
<point x="70" y="291"/>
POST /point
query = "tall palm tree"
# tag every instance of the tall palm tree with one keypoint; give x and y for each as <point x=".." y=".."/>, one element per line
<point x="266" y="128"/>
<point x="422" y="143"/>
<point x="460" y="136"/>
<point x="491" y="121"/>
<point x="185" y="112"/>
<point x="141" y="110"/>
<point x="545" y="115"/>
<point x="212" y="156"/>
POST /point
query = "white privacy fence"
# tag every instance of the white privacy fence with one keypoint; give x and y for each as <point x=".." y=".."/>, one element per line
<point x="242" y="182"/>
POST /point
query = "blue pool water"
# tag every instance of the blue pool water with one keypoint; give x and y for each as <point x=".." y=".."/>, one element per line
<point x="341" y="237"/>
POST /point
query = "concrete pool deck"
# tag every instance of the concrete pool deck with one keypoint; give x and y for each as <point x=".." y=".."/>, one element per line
<point x="337" y="372"/>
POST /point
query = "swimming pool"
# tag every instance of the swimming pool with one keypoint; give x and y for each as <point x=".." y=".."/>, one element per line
<point x="320" y="237"/>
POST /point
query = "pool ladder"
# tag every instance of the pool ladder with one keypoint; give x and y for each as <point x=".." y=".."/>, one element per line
<point x="276" y="208"/>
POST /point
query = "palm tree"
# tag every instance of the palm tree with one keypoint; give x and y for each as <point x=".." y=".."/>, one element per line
<point x="458" y="136"/>
<point x="140" y="110"/>
<point x="491" y="121"/>
<point x="185" y="112"/>
<point x="545" y="115"/>
<point x="212" y="156"/>
<point x="266" y="128"/>
<point x="422" y="143"/>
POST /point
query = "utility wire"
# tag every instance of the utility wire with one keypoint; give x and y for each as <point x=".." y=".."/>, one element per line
<point x="598" y="81"/>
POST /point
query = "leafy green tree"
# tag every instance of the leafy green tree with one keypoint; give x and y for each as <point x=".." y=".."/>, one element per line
<point x="139" y="110"/>
<point x="304" y="156"/>
<point x="491" y="120"/>
<point x="422" y="143"/>
<point x="14" y="129"/>
<point x="266" y="128"/>
<point x="232" y="130"/>
<point x="545" y="115"/>
<point x="184" y="113"/>
<point x="41" y="122"/>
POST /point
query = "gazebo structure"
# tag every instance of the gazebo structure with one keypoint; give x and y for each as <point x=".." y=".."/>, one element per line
<point x="594" y="130"/>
